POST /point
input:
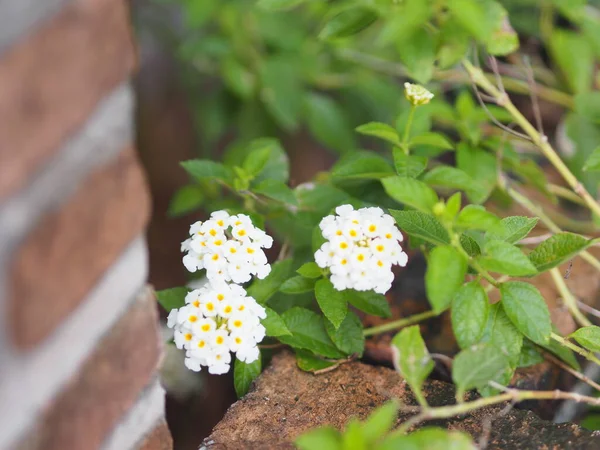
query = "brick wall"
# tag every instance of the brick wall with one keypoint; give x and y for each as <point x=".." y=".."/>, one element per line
<point x="79" y="343"/>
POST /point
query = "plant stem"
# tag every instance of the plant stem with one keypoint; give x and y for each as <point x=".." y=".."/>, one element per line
<point x="565" y="193"/>
<point x="406" y="135"/>
<point x="540" y="140"/>
<point x="566" y="343"/>
<point x="513" y="395"/>
<point x="572" y="371"/>
<point x="400" y="323"/>
<point x="568" y="298"/>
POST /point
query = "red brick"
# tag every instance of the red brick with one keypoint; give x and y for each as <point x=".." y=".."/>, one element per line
<point x="108" y="384"/>
<point x="50" y="82"/>
<point x="158" y="439"/>
<point x="69" y="251"/>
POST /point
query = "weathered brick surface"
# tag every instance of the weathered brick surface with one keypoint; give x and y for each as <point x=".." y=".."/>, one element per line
<point x="158" y="439"/>
<point x="68" y="252"/>
<point x="50" y="82"/>
<point x="108" y="384"/>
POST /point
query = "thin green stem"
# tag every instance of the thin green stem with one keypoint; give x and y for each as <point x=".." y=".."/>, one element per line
<point x="513" y="395"/>
<point x="566" y="343"/>
<point x="400" y="323"/>
<point x="565" y="193"/>
<point x="474" y="264"/>
<point x="540" y="140"/>
<point x="568" y="298"/>
<point x="406" y="135"/>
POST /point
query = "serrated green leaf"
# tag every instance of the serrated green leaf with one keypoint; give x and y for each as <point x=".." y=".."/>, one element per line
<point x="361" y="165"/>
<point x="411" y="358"/>
<point x="527" y="310"/>
<point x="348" y="22"/>
<point x="172" y="298"/>
<point x="475" y="217"/>
<point x="203" y="168"/>
<point x="446" y="270"/>
<point x="408" y="165"/>
<point x="502" y="334"/>
<point x="324" y="438"/>
<point x="422" y="226"/>
<point x="588" y="337"/>
<point x="310" y="362"/>
<point x="369" y="302"/>
<point x="502" y="257"/>
<point x="185" y="200"/>
<point x="332" y="302"/>
<point x="381" y="131"/>
<point x="557" y="249"/>
<point x="470" y="309"/>
<point x="592" y="164"/>
<point x="410" y="192"/>
<point x="432" y="139"/>
<point x="474" y="367"/>
<point x="297" y="285"/>
<point x="244" y="374"/>
<point x="262" y="290"/>
<point x="470" y="245"/>
<point x="274" y="324"/>
<point x="276" y="190"/>
<point x="512" y="229"/>
<point x="349" y="336"/>
<point x="308" y="333"/>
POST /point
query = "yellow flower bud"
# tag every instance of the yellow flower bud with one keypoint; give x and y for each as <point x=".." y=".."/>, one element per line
<point x="417" y="94"/>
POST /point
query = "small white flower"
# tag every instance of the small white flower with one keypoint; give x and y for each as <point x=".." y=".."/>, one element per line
<point x="193" y="363"/>
<point x="362" y="246"/>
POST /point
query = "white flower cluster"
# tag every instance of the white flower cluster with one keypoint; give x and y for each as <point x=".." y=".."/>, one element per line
<point x="361" y="248"/>
<point x="416" y="94"/>
<point x="217" y="319"/>
<point x="230" y="248"/>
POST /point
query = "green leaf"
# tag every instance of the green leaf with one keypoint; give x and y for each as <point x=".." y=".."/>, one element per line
<point x="470" y="309"/>
<point x="574" y="57"/>
<point x="382" y="131"/>
<point x="309" y="362"/>
<point x="308" y="333"/>
<point x="172" y="298"/>
<point x="349" y="336"/>
<point x="588" y="105"/>
<point x="297" y="285"/>
<point x="432" y="139"/>
<point x="410" y="192"/>
<point x="348" y="23"/>
<point x="527" y="310"/>
<point x="512" y="229"/>
<point x="592" y="164"/>
<point x="428" y="438"/>
<point x="408" y="165"/>
<point x="278" y="4"/>
<point x="481" y="166"/>
<point x="369" y="302"/>
<point x="380" y="421"/>
<point x="470" y="245"/>
<point x="473" y="17"/>
<point x="263" y="290"/>
<point x="557" y="249"/>
<point x="328" y="123"/>
<point x="530" y="355"/>
<point x="332" y="302"/>
<point x="282" y="92"/>
<point x="504" y="40"/>
<point x="274" y="324"/>
<point x="562" y="352"/>
<point x="589" y="337"/>
<point x="276" y="190"/>
<point x="310" y="270"/>
<point x="422" y="226"/>
<point x="204" y="168"/>
<point x="185" y="200"/>
<point x="238" y="78"/>
<point x="277" y="167"/>
<point x="446" y="270"/>
<point x="244" y="374"/>
<point x="361" y="165"/>
<point x="411" y="358"/>
<point x="474" y="367"/>
<point x="257" y="159"/>
<point x="418" y="55"/>
<point x="505" y="258"/>
<point x="324" y="438"/>
<point x="476" y="218"/>
<point x="502" y="334"/>
<point x="453" y="178"/>
<point x="407" y="18"/>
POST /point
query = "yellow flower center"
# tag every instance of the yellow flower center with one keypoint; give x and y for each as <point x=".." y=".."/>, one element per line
<point x="360" y="257"/>
<point x="220" y="340"/>
<point x="343" y="245"/>
<point x="228" y="309"/>
<point x="193" y="318"/>
<point x="220" y="297"/>
<point x="213" y="232"/>
<point x="237" y="323"/>
<point x="353" y="233"/>
<point x="372" y="228"/>
<point x="205" y="327"/>
<point x="220" y="223"/>
<point x="210" y="306"/>
<point x="188" y="336"/>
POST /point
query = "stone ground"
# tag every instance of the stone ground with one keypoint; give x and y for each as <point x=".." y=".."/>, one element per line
<point x="285" y="402"/>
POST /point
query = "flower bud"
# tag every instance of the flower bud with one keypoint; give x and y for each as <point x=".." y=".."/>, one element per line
<point x="417" y="94"/>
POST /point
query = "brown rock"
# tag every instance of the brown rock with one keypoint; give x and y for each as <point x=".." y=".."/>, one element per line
<point x="286" y="402"/>
<point x="50" y="82"/>
<point x="158" y="439"/>
<point x="107" y="385"/>
<point x="70" y="250"/>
